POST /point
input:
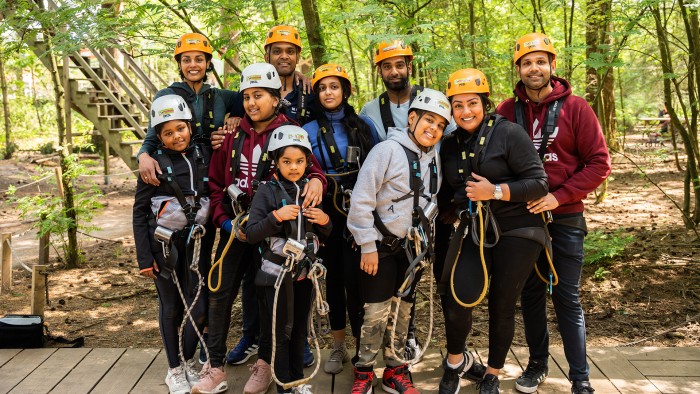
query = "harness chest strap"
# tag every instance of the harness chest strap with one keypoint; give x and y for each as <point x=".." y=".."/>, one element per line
<point x="302" y="110"/>
<point x="325" y="132"/>
<point x="385" y="107"/>
<point x="206" y="126"/>
<point x="553" y="112"/>
<point x="416" y="183"/>
<point x="264" y="162"/>
<point x="200" y="167"/>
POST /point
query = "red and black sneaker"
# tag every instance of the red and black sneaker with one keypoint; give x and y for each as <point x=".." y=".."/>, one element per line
<point x="363" y="382"/>
<point x="396" y="380"/>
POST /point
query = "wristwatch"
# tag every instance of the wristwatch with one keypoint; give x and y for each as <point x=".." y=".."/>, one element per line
<point x="498" y="193"/>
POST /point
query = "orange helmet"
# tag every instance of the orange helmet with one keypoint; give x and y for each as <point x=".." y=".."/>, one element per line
<point x="468" y="80"/>
<point x="533" y="42"/>
<point x="329" y="70"/>
<point x="193" y="42"/>
<point x="386" y="50"/>
<point x="283" y="33"/>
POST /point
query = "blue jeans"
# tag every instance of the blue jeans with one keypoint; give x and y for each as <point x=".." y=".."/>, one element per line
<point x="567" y="245"/>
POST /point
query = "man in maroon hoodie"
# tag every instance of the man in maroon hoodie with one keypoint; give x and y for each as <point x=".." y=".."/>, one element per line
<point x="569" y="139"/>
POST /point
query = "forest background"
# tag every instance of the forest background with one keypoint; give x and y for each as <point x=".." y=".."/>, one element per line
<point x="629" y="59"/>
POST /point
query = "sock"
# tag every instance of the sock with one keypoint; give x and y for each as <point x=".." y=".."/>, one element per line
<point x="453" y="366"/>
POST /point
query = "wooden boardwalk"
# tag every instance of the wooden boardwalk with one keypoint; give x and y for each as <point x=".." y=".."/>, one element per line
<point x="613" y="370"/>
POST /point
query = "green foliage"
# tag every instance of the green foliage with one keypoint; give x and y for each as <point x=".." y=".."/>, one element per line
<point x="601" y="248"/>
<point x="9" y="150"/>
<point x="47" y="208"/>
<point x="47" y="148"/>
<point x="600" y="273"/>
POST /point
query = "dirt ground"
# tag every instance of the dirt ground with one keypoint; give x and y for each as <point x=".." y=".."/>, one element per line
<point x="650" y="294"/>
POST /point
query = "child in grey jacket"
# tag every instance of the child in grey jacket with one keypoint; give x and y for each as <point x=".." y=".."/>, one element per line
<point x="381" y="214"/>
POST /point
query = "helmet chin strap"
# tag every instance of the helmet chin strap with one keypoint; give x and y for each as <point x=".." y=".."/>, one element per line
<point x="412" y="133"/>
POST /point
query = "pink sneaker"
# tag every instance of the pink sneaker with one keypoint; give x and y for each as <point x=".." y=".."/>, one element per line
<point x="211" y="381"/>
<point x="260" y="380"/>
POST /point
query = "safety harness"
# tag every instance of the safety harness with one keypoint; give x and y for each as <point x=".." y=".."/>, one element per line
<point x="201" y="131"/>
<point x="480" y="218"/>
<point x="200" y="172"/>
<point x="193" y="232"/>
<point x="418" y="244"/>
<point x="239" y="209"/>
<point x="297" y="258"/>
<point x="345" y="174"/>
<point x="553" y="112"/>
<point x="385" y="107"/>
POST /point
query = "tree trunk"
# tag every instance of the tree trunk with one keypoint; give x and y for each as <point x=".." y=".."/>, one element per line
<point x="313" y="32"/>
<point x="601" y="98"/>
<point x="72" y="254"/>
<point x="472" y="28"/>
<point x="275" y="15"/>
<point x="5" y="109"/>
<point x="690" y="146"/>
<point x="568" y="39"/>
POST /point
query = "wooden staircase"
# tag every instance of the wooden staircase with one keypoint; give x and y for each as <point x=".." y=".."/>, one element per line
<point x="113" y="95"/>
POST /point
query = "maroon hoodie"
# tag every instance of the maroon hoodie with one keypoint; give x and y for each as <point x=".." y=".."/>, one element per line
<point x="220" y="176"/>
<point x="577" y="159"/>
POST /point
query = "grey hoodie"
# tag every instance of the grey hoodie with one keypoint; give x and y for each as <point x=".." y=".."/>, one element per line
<point x="383" y="178"/>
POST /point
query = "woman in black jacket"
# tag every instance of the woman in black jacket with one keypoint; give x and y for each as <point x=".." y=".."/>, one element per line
<point x="490" y="170"/>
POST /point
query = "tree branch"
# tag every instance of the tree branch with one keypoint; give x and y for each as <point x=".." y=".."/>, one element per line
<point x="195" y="29"/>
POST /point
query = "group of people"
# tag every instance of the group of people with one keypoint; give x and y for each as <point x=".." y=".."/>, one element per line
<point x="301" y="186"/>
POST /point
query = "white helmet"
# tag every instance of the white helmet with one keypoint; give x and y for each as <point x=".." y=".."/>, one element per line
<point x="169" y="107"/>
<point x="260" y="75"/>
<point x="288" y="135"/>
<point x="433" y="101"/>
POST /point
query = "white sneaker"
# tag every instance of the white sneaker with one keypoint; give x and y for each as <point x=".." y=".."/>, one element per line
<point x="177" y="381"/>
<point x="303" y="389"/>
<point x="191" y="372"/>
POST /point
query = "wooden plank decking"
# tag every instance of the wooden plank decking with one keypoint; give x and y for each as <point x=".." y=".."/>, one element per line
<point x="613" y="370"/>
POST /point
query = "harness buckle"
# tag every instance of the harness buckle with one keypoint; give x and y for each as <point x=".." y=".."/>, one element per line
<point x="391" y="242"/>
<point x="548" y="218"/>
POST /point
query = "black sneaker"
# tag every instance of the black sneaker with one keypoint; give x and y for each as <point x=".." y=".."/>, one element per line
<point x="449" y="384"/>
<point x="476" y="372"/>
<point x="535" y="373"/>
<point x="490" y="385"/>
<point x="581" y="387"/>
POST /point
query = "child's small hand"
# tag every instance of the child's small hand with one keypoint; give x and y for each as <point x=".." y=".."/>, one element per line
<point x="316" y="215"/>
<point x="151" y="273"/>
<point x="369" y="262"/>
<point x="288" y="212"/>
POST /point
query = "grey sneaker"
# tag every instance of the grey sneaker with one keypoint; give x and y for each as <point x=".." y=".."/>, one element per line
<point x="191" y="372"/>
<point x="177" y="381"/>
<point x="535" y="373"/>
<point x="339" y="356"/>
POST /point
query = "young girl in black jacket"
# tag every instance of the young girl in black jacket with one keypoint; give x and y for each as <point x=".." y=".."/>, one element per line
<point x="276" y="220"/>
<point x="162" y="223"/>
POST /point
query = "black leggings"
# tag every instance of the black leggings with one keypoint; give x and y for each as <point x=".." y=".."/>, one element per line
<point x="342" y="278"/>
<point x="509" y="264"/>
<point x="293" y="306"/>
<point x="238" y="259"/>
<point x="171" y="308"/>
